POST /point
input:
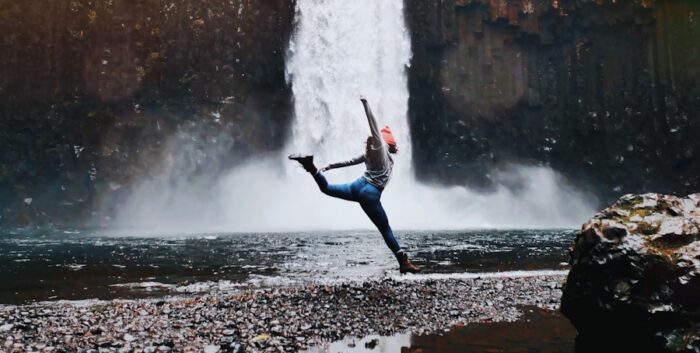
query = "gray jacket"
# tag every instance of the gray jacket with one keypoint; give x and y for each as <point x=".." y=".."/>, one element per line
<point x="378" y="162"/>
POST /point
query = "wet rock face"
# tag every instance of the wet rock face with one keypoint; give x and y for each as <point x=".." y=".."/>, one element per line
<point x="494" y="81"/>
<point x="94" y="93"/>
<point x="636" y="266"/>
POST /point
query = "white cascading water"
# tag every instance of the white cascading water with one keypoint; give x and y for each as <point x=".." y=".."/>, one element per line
<point x="340" y="50"/>
<point x="343" y="49"/>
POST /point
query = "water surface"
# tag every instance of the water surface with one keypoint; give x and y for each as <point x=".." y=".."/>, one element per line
<point x="538" y="331"/>
<point x="82" y="264"/>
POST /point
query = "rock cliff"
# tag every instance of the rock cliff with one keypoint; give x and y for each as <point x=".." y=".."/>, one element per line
<point x="607" y="92"/>
<point x="94" y="93"/>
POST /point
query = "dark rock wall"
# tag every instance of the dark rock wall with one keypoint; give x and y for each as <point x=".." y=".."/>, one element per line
<point x="92" y="92"/>
<point x="606" y="92"/>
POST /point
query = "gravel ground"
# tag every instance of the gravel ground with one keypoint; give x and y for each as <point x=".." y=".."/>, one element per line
<point x="281" y="319"/>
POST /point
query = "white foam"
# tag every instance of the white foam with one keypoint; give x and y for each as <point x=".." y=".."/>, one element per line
<point x="209" y="286"/>
<point x="75" y="303"/>
<point x="146" y="286"/>
<point x="75" y="267"/>
<point x="475" y="275"/>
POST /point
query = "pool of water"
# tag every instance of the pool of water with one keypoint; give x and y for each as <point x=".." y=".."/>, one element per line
<point x="538" y="331"/>
<point x="80" y="264"/>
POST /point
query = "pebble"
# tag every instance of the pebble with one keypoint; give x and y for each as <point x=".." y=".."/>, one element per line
<point x="372" y="344"/>
<point x="274" y="319"/>
<point x="211" y="349"/>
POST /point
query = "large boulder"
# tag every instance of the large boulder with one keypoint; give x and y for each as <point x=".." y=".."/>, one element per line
<point x="635" y="274"/>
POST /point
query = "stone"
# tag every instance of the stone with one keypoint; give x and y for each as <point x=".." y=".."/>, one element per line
<point x="372" y="343"/>
<point x="637" y="281"/>
<point x="211" y="349"/>
<point x="103" y="341"/>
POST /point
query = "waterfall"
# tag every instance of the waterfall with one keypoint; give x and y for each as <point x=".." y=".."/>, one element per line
<point x="340" y="50"/>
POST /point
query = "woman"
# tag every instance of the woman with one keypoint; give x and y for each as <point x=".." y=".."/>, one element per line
<point x="367" y="190"/>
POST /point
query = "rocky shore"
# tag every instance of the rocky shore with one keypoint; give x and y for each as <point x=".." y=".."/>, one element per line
<point x="282" y="319"/>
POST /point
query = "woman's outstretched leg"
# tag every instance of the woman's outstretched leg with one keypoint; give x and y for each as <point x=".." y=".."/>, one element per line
<point x="376" y="213"/>
<point x="341" y="191"/>
<point x="369" y="200"/>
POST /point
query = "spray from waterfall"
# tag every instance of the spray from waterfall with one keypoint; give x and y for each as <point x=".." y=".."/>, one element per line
<point x="340" y="50"/>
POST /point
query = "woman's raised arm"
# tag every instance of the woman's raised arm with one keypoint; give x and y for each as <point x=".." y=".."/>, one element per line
<point x="377" y="143"/>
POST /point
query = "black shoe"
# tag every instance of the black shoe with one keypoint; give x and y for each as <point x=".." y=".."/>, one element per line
<point x="306" y="161"/>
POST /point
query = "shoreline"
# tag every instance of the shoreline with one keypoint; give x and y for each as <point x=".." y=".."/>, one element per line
<point x="279" y="319"/>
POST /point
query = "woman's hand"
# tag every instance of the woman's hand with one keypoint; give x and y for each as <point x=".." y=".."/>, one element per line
<point x="323" y="169"/>
<point x="363" y="99"/>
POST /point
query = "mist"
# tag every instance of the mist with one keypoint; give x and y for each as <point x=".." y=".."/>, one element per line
<point x="266" y="196"/>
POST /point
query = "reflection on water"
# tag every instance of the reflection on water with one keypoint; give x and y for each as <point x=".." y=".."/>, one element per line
<point x="59" y="264"/>
<point x="537" y="331"/>
<point x="370" y="344"/>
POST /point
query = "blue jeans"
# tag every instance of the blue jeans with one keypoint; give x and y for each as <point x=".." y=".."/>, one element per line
<point x="368" y="196"/>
